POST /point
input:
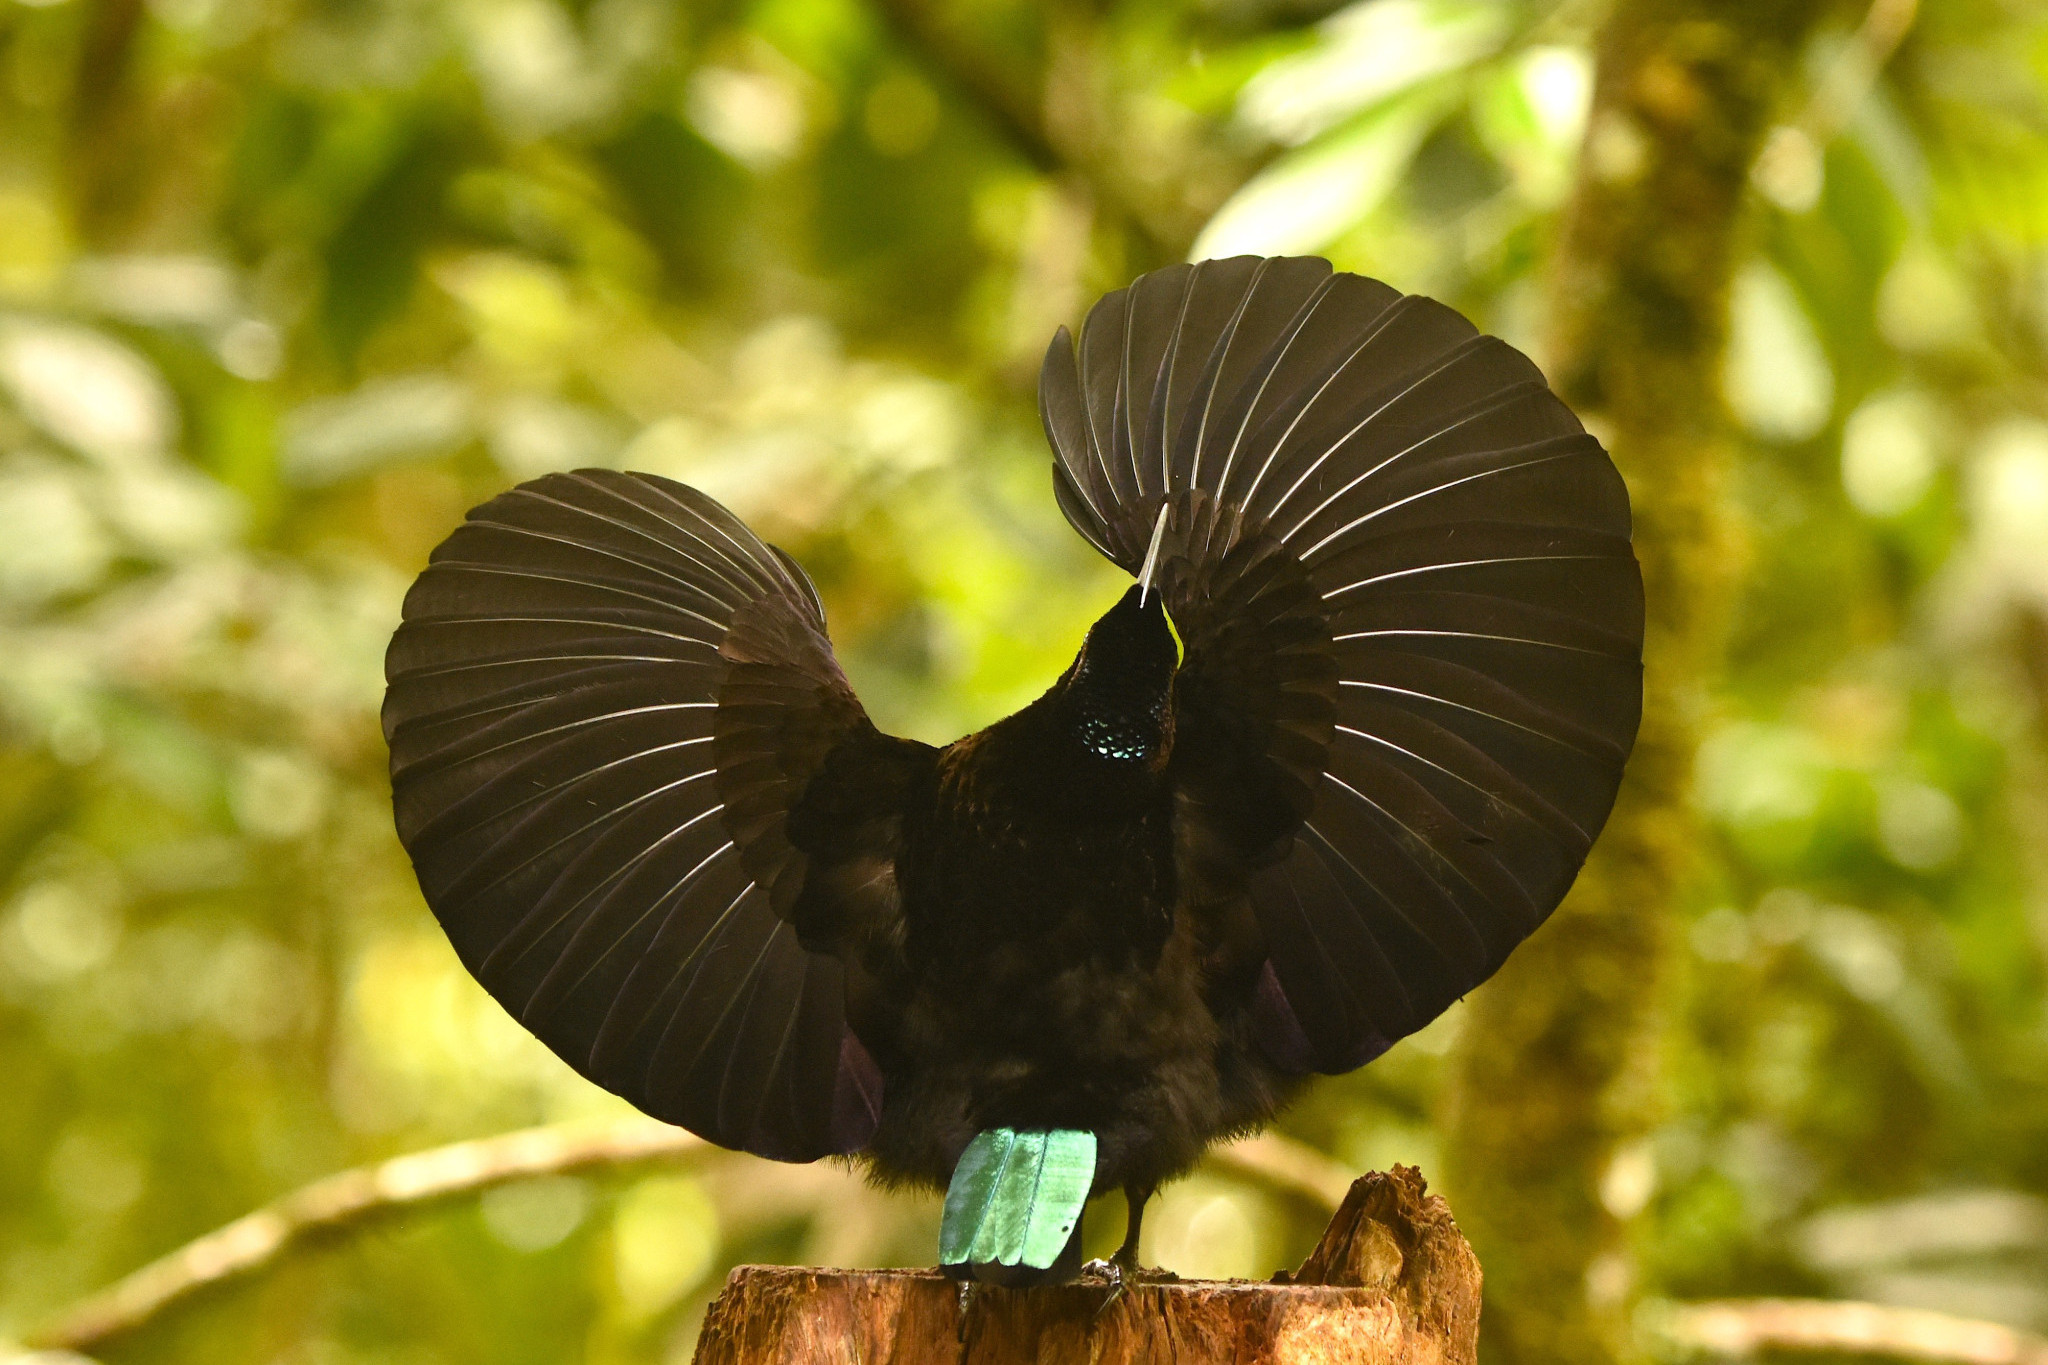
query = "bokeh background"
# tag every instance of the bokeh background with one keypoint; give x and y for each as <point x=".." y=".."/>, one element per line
<point x="286" y="285"/>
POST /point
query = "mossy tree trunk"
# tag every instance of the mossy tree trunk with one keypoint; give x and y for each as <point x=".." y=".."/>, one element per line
<point x="1556" y="1070"/>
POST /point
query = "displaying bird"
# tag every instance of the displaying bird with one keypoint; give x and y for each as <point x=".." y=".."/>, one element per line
<point x="1065" y="954"/>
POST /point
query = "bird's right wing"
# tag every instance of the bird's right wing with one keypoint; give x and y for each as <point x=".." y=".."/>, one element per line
<point x="1412" y="622"/>
<point x="642" y="800"/>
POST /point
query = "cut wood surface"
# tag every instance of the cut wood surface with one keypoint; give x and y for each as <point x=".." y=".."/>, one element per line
<point x="1391" y="1283"/>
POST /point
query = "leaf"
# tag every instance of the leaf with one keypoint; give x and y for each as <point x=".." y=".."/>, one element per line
<point x="1372" y="52"/>
<point x="1310" y="197"/>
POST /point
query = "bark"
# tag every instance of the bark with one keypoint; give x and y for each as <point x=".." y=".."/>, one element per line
<point x="1391" y="1283"/>
<point x="1555" y="1071"/>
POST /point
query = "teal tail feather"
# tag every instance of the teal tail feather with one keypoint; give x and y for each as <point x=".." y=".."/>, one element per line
<point x="1013" y="1211"/>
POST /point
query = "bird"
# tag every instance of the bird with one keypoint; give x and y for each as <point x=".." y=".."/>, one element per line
<point x="1341" y="746"/>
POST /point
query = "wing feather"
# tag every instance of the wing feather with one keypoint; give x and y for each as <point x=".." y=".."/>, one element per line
<point x="1412" y="619"/>
<point x="607" y="702"/>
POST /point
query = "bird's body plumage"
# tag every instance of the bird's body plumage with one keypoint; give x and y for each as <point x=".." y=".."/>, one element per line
<point x="1051" y="974"/>
<point x="655" y="822"/>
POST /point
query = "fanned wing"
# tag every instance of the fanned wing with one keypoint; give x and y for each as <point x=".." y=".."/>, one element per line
<point x="1412" y="619"/>
<point x="608" y="704"/>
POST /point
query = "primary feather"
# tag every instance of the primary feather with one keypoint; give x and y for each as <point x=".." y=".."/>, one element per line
<point x="657" y="825"/>
<point x="1413" y="619"/>
<point x="605" y="691"/>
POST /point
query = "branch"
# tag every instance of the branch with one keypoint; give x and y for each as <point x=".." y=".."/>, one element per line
<point x="1018" y="110"/>
<point x="977" y="78"/>
<point x="1744" y="1326"/>
<point x="338" y="1203"/>
<point x="1283" y="1164"/>
<point x="1788" y="170"/>
<point x="1853" y="74"/>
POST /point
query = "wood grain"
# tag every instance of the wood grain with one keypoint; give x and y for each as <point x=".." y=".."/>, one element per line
<point x="1391" y="1283"/>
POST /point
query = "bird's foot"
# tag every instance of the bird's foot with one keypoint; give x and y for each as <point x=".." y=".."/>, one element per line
<point x="1113" y="1273"/>
<point x="1126" y="1262"/>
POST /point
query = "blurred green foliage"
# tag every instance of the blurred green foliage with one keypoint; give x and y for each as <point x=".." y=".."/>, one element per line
<point x="285" y="287"/>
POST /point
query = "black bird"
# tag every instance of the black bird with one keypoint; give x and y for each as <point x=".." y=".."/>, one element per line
<point x="657" y="825"/>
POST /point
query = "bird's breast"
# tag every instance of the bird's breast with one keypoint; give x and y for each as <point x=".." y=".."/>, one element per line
<point x="1022" y="854"/>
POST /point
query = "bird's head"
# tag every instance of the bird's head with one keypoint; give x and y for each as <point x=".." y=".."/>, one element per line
<point x="1118" y="691"/>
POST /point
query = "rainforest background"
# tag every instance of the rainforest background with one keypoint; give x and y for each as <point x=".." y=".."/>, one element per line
<point x="286" y="285"/>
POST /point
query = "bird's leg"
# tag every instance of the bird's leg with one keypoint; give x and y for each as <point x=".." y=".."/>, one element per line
<point x="1137" y="1197"/>
<point x="1122" y="1268"/>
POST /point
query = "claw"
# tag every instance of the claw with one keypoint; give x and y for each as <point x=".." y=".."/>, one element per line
<point x="967" y="1290"/>
<point x="1112" y="1272"/>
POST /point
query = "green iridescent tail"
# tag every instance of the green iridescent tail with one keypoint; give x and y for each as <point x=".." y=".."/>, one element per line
<point x="1013" y="1211"/>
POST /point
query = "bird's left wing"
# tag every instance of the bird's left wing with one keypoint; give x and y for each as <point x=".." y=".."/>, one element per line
<point x="1412" y="618"/>
<point x="645" y="805"/>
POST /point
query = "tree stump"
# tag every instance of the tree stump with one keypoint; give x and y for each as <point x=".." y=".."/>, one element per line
<point x="1391" y="1283"/>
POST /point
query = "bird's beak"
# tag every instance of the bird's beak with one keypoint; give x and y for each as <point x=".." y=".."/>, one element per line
<point x="1152" y="554"/>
